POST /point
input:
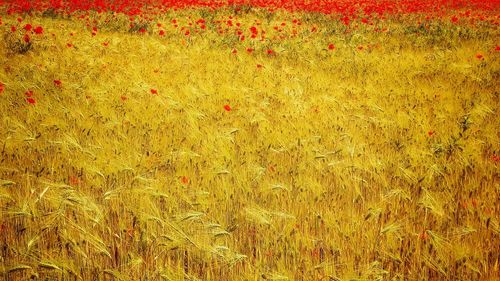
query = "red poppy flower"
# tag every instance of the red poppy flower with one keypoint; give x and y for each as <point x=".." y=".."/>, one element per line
<point x="270" y="52"/>
<point x="105" y="44"/>
<point x="497" y="48"/>
<point x="142" y="30"/>
<point x="234" y="51"/>
<point x="13" y="28"/>
<point x="162" y="32"/>
<point x="2" y="87"/>
<point x="227" y="107"/>
<point x="184" y="180"/>
<point x="250" y="50"/>
<point x="423" y="235"/>
<point x="29" y="93"/>
<point x="38" y="30"/>
<point x="479" y="56"/>
<point x="26" y="38"/>
<point x="31" y="100"/>
<point x="57" y="83"/>
<point x="124" y="98"/>
<point x="28" y="27"/>
<point x="430" y="133"/>
<point x="331" y="47"/>
<point x="74" y="180"/>
<point x="259" y="66"/>
<point x="154" y="92"/>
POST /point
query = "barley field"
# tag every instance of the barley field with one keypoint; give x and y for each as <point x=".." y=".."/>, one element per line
<point x="249" y="140"/>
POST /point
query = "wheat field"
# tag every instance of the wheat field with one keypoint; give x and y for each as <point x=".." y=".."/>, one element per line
<point x="323" y="151"/>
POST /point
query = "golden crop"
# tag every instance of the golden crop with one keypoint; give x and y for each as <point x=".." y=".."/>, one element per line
<point x="129" y="156"/>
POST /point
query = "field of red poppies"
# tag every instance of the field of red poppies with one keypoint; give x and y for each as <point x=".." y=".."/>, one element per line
<point x="249" y="140"/>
